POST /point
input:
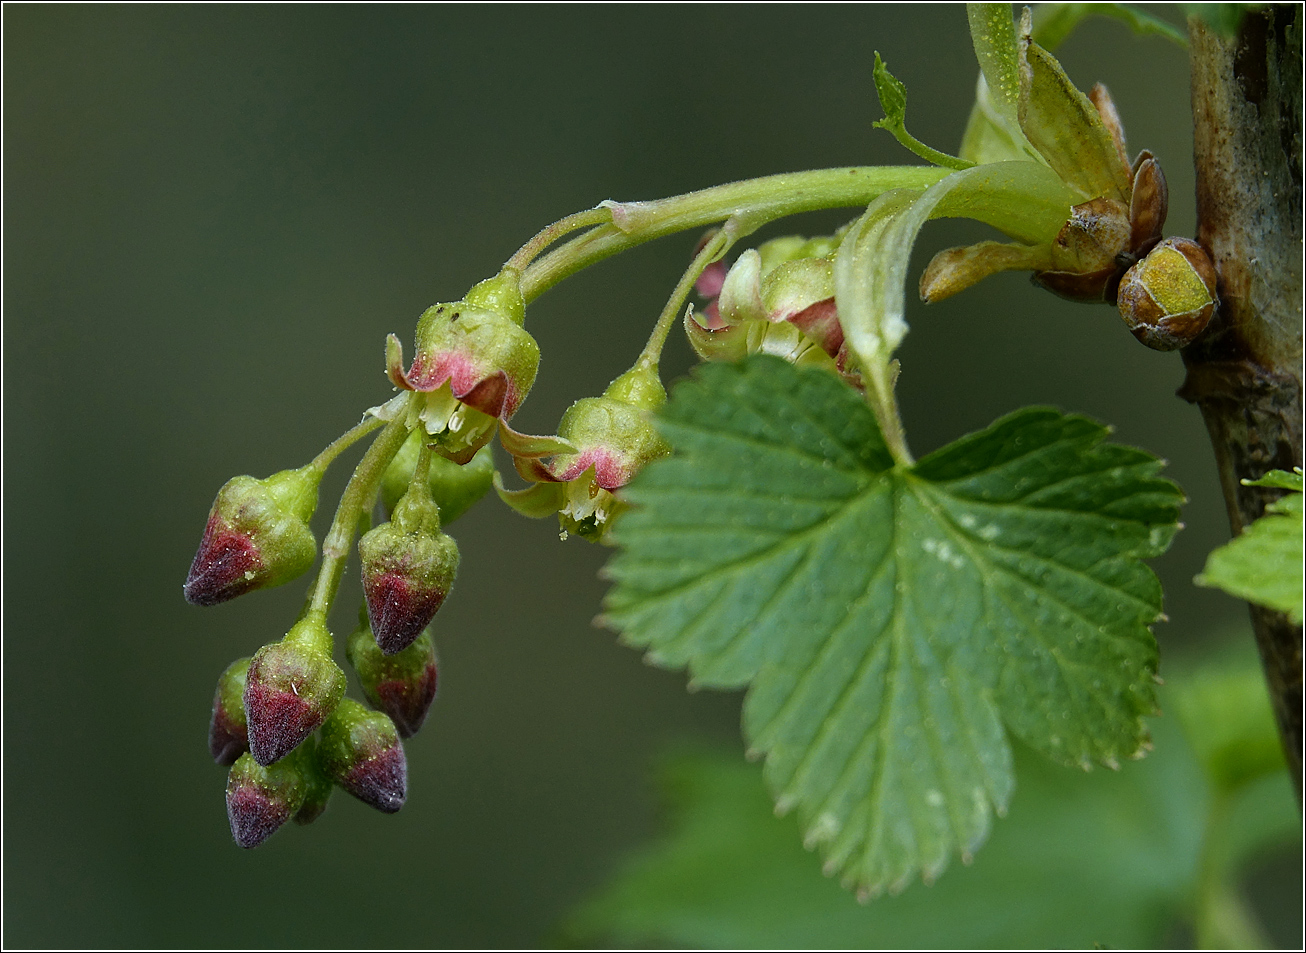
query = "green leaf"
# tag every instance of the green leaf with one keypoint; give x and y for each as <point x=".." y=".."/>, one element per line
<point x="893" y="100"/>
<point x="729" y="875"/>
<point x="993" y="132"/>
<point x="890" y="620"/>
<point x="1264" y="564"/>
<point x="1082" y="861"/>
<point x="1053" y="22"/>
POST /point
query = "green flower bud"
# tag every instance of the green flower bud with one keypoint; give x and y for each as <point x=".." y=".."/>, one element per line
<point x="257" y="536"/>
<point x="408" y="569"/>
<point x="260" y="798"/>
<point x="291" y="687"/>
<point x="317" y="786"/>
<point x="228" y="736"/>
<point x="360" y="751"/>
<point x="454" y="488"/>
<point x="402" y="685"/>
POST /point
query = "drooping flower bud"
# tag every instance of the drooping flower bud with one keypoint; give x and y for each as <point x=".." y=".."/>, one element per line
<point x="291" y="688"/>
<point x="402" y="685"/>
<point x="261" y="798"/>
<point x="454" y="488"/>
<point x="317" y="786"/>
<point x="1167" y="299"/>
<point x="257" y="536"/>
<point x="613" y="438"/>
<point x="408" y="569"/>
<point x="228" y="736"/>
<point x="475" y="360"/>
<point x="360" y="751"/>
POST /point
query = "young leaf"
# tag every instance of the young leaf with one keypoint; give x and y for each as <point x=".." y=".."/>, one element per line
<point x="1109" y="860"/>
<point x="890" y="619"/>
<point x="893" y="100"/>
<point x="993" y="132"/>
<point x="1053" y="22"/>
<point x="1264" y="564"/>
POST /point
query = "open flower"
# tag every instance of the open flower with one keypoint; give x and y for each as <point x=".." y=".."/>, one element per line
<point x="776" y="299"/>
<point x="602" y="443"/>
<point x="474" y="361"/>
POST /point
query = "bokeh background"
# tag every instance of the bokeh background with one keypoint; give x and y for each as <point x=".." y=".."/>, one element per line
<point x="214" y="214"/>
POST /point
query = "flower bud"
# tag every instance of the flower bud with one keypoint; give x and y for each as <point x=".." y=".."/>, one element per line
<point x="257" y="536"/>
<point x="262" y="798"/>
<point x="228" y="737"/>
<point x="292" y="686"/>
<point x="408" y="569"/>
<point x="402" y="685"/>
<point x="360" y="751"/>
<point x="614" y="438"/>
<point x="1167" y="299"/>
<point x="317" y="786"/>
<point x="476" y="360"/>
<point x="454" y="488"/>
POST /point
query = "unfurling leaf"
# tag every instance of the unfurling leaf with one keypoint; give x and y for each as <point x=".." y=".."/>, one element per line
<point x="1264" y="564"/>
<point x="893" y="100"/>
<point x="890" y="620"/>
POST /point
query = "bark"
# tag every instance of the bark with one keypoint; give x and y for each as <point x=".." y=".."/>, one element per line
<point x="1245" y="372"/>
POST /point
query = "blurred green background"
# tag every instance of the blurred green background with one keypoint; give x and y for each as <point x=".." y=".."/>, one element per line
<point x="213" y="216"/>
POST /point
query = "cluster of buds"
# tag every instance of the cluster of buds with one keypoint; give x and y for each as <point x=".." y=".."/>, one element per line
<point x="281" y="721"/>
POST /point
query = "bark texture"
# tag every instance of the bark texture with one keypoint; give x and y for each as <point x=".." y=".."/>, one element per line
<point x="1245" y="372"/>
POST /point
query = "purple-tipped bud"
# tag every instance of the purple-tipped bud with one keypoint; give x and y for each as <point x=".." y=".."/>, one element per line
<point x="291" y="688"/>
<point x="228" y="737"/>
<point x="260" y="799"/>
<point x="257" y="536"/>
<point x="408" y="569"/>
<point x="360" y="751"/>
<point x="401" y="685"/>
<point x="317" y="786"/>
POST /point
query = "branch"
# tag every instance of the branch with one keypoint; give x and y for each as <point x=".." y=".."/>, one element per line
<point x="1245" y="373"/>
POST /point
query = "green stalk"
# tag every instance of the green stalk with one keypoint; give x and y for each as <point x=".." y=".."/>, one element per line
<point x="753" y="202"/>
<point x="354" y="502"/>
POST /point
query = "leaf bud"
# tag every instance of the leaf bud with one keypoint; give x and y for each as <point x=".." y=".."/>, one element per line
<point x="360" y="751"/>
<point x="260" y="798"/>
<point x="408" y="569"/>
<point x="291" y="687"/>
<point x="257" y="536"/>
<point x="1167" y="299"/>
<point x="402" y="685"/>
<point x="454" y="488"/>
<point x="228" y="736"/>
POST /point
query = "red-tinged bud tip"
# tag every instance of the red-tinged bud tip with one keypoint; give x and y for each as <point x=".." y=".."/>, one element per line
<point x="227" y="565"/>
<point x="257" y="536"/>
<point x="291" y="688"/>
<point x="360" y="750"/>
<point x="260" y="799"/>
<point x="402" y="685"/>
<point x="408" y="569"/>
<point x="380" y="781"/>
